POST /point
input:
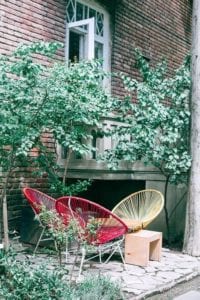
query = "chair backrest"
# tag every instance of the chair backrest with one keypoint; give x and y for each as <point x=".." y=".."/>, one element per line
<point x="67" y="214"/>
<point x="108" y="226"/>
<point x="38" y="199"/>
<point x="140" y="208"/>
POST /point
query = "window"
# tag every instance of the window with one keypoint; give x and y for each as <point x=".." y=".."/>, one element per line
<point x="87" y="37"/>
<point x="87" y="32"/>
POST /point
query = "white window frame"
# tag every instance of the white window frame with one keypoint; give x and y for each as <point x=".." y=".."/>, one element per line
<point x="90" y="36"/>
<point x="105" y="39"/>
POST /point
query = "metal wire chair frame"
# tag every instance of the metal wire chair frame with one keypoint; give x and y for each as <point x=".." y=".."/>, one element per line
<point x="141" y="208"/>
<point x="36" y="200"/>
<point x="103" y="246"/>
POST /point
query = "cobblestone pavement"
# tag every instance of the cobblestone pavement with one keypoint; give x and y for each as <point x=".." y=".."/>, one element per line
<point x="139" y="282"/>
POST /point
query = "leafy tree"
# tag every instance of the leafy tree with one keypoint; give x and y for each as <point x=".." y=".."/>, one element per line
<point x="156" y="113"/>
<point x="21" y="96"/>
<point x="35" y="99"/>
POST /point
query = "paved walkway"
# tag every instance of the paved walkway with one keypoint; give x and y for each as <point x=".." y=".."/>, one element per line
<point x="139" y="282"/>
<point x="192" y="295"/>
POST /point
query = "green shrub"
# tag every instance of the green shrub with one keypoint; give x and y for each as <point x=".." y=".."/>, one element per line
<point x="24" y="282"/>
<point x="98" y="288"/>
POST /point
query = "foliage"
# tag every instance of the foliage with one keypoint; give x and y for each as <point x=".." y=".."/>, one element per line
<point x="68" y="228"/>
<point x="156" y="115"/>
<point x="76" y="104"/>
<point x="64" y="101"/>
<point x="99" y="288"/>
<point x="56" y="228"/>
<point x="21" y="281"/>
<point x="43" y="105"/>
<point x="22" y="94"/>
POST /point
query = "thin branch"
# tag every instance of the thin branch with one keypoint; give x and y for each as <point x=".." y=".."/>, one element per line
<point x="66" y="165"/>
<point x="177" y="204"/>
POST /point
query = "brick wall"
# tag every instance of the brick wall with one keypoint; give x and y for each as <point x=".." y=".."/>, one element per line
<point x="159" y="28"/>
<point x="27" y="21"/>
<point x="30" y="20"/>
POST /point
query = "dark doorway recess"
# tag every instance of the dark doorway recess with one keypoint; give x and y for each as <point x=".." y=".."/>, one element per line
<point x="109" y="192"/>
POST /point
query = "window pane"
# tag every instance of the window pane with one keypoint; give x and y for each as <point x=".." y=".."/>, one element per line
<point x="92" y="13"/>
<point x="74" y="47"/>
<point x="98" y="51"/>
<point x="71" y="11"/>
<point x="99" y="24"/>
<point x="79" y="11"/>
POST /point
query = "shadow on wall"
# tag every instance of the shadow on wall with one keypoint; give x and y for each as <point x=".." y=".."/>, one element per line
<point x="109" y="192"/>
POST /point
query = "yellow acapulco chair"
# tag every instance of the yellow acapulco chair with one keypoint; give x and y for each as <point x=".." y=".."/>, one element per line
<point x="139" y="209"/>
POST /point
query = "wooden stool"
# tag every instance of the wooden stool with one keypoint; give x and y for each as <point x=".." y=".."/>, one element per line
<point x="142" y="246"/>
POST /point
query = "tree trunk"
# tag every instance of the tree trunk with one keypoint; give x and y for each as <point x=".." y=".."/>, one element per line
<point x="166" y="211"/>
<point x="192" y="229"/>
<point x="5" y="223"/>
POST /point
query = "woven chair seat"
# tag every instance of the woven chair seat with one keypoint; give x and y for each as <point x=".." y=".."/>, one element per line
<point x="140" y="209"/>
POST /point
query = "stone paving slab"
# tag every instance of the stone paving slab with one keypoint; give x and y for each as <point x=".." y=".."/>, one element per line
<point x="140" y="282"/>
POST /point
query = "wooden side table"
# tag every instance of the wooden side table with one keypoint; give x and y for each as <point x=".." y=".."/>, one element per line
<point x="142" y="246"/>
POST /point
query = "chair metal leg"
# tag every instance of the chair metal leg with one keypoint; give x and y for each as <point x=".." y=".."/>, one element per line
<point x="117" y="247"/>
<point x="39" y="240"/>
<point x="122" y="257"/>
<point x="82" y="261"/>
<point x="66" y="251"/>
<point x="111" y="254"/>
<point x="100" y="256"/>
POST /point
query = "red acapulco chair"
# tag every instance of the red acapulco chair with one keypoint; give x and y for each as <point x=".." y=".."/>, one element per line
<point x="110" y="229"/>
<point x="36" y="200"/>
